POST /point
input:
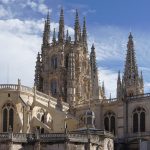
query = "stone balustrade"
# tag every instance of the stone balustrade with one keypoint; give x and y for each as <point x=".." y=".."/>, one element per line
<point x="141" y="96"/>
<point x="28" y="90"/>
<point x="9" y="86"/>
<point x="51" y="137"/>
<point x="138" y="134"/>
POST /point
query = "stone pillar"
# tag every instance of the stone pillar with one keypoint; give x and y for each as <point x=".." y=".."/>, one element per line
<point x="10" y="136"/>
<point x="19" y="84"/>
<point x="37" y="143"/>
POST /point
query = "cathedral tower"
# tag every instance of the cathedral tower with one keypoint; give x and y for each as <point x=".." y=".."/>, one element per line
<point x="132" y="82"/>
<point x="63" y="67"/>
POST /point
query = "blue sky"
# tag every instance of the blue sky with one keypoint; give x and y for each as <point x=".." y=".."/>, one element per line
<point x="108" y="22"/>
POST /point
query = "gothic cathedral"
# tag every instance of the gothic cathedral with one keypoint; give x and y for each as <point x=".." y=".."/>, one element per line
<point x="67" y="108"/>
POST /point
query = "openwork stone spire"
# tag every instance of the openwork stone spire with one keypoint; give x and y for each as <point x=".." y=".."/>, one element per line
<point x="94" y="74"/>
<point x="46" y="33"/>
<point x="93" y="59"/>
<point x="54" y="37"/>
<point x="119" y="86"/>
<point x="67" y="37"/>
<point x="131" y="77"/>
<point x="84" y="33"/>
<point x="61" y="26"/>
<point x="37" y="80"/>
<point x="77" y="29"/>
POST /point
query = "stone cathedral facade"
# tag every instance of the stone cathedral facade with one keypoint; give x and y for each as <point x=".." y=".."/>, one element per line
<point x="67" y="108"/>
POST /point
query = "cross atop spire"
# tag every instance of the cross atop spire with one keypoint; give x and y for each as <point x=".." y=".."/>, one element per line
<point x="61" y="26"/>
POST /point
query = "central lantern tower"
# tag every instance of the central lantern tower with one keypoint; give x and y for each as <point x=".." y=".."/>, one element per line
<point x="63" y="68"/>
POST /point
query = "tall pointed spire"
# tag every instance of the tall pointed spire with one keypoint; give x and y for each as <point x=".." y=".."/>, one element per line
<point x="93" y="58"/>
<point x="38" y="80"/>
<point x="131" y="77"/>
<point x="103" y="89"/>
<point x="94" y="74"/>
<point x="142" y="81"/>
<point x="54" y="37"/>
<point x="141" y="76"/>
<point x="46" y="33"/>
<point x="84" y="33"/>
<point x="61" y="26"/>
<point x="119" y="79"/>
<point x="67" y="36"/>
<point x="77" y="29"/>
<point x="119" y="86"/>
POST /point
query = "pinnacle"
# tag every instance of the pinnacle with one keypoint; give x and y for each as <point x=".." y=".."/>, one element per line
<point x="130" y="36"/>
<point x="67" y="35"/>
<point x="119" y="74"/>
<point x="84" y="33"/>
<point x="84" y="23"/>
<point x="61" y="12"/>
<point x="77" y="15"/>
<point x="48" y="15"/>
<point x="54" y="36"/>
<point x="61" y="26"/>
<point x="93" y="47"/>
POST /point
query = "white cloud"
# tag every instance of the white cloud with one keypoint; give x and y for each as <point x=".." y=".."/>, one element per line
<point x="18" y="53"/>
<point x="110" y="45"/>
<point x="110" y="42"/>
<point x="110" y="80"/>
<point x="38" y="6"/>
<point x="32" y="4"/>
<point x="3" y="11"/>
<point x="19" y="43"/>
<point x="7" y="1"/>
<point x="89" y="11"/>
<point x="42" y="8"/>
<point x="71" y="11"/>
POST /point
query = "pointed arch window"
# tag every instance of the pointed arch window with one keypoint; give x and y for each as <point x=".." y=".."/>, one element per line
<point x="8" y="117"/>
<point x="106" y="123"/>
<point x="139" y="120"/>
<point x="5" y="112"/>
<point x="135" y="122"/>
<point x="54" y="62"/>
<point x="142" y="122"/>
<point x="110" y="122"/>
<point x="53" y="87"/>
